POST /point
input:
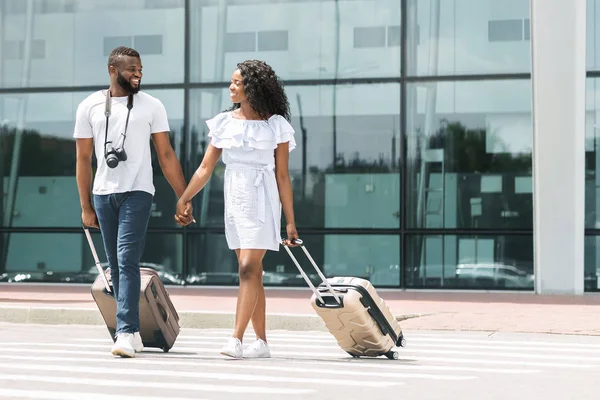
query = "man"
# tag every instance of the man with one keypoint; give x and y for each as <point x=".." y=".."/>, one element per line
<point x="118" y="123"/>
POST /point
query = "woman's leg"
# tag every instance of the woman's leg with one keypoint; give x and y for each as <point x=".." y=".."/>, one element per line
<point x="259" y="317"/>
<point x="250" y="263"/>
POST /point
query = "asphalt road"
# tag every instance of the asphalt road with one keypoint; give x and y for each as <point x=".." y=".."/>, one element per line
<point x="74" y="362"/>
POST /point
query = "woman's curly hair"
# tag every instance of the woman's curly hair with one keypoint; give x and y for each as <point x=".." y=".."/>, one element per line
<point x="264" y="90"/>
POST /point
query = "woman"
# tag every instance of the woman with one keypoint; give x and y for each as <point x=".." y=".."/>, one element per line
<point x="255" y="138"/>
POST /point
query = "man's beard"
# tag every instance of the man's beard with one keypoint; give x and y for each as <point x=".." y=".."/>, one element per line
<point x="126" y="85"/>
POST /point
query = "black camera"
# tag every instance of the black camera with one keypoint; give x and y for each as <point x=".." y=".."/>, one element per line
<point x="114" y="156"/>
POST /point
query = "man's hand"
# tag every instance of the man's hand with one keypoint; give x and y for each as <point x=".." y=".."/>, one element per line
<point x="89" y="218"/>
<point x="183" y="214"/>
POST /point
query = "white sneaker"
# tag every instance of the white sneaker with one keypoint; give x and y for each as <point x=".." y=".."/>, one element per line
<point x="124" y="346"/>
<point x="233" y="348"/>
<point x="138" y="346"/>
<point x="258" y="349"/>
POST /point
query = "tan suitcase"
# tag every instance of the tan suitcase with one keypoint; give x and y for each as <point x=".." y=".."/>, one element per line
<point x="159" y="321"/>
<point x="354" y="313"/>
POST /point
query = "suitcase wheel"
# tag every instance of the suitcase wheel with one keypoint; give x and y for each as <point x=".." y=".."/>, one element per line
<point x="403" y="342"/>
<point x="166" y="349"/>
<point x="392" y="355"/>
<point x="353" y="355"/>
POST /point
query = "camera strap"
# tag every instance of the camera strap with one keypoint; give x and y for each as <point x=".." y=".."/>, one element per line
<point x="107" y="112"/>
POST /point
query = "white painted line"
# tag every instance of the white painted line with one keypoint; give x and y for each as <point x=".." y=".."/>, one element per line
<point x="147" y="384"/>
<point x="47" y="395"/>
<point x="397" y="365"/>
<point x="490" y="344"/>
<point x="558" y="345"/>
<point x="196" y="375"/>
<point x="159" y="358"/>
<point x="304" y="356"/>
<point x="303" y="353"/>
<point x="494" y="346"/>
<point x="249" y="366"/>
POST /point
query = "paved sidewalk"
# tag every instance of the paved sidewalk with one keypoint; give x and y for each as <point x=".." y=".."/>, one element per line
<point x="203" y="307"/>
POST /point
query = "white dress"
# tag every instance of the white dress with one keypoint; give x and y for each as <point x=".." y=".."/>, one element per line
<point x="252" y="204"/>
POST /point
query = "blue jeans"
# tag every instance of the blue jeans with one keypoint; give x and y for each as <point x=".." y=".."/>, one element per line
<point x="123" y="219"/>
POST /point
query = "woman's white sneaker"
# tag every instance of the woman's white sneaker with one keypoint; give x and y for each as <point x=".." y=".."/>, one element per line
<point x="258" y="349"/>
<point x="233" y="348"/>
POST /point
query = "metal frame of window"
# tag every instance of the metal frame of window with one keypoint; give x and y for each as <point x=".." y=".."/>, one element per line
<point x="403" y="232"/>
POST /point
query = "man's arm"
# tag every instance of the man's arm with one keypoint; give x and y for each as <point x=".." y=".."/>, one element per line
<point x="83" y="175"/>
<point x="169" y="164"/>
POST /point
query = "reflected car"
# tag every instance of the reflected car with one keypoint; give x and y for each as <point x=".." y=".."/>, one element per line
<point x="499" y="274"/>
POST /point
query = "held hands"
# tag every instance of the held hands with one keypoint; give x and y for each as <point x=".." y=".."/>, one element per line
<point x="183" y="215"/>
<point x="292" y="234"/>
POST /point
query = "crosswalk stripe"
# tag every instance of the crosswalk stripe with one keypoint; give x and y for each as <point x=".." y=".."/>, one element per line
<point x="476" y="345"/>
<point x="362" y="364"/>
<point x="146" y="384"/>
<point x="554" y="346"/>
<point x="441" y="336"/>
<point x="232" y="377"/>
<point x="250" y="366"/>
<point x="394" y="365"/>
<point x="490" y="344"/>
<point x="500" y="352"/>
<point x="304" y="355"/>
<point x="516" y="337"/>
<point x="47" y="395"/>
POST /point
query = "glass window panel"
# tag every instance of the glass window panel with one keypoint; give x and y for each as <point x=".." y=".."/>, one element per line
<point x="240" y="42"/>
<point x="467" y="37"/>
<point x="592" y="264"/>
<point x="148" y="44"/>
<point x="362" y="188"/>
<point x="66" y="257"/>
<point x="369" y="37"/>
<point x="470" y="262"/>
<point x="469" y="155"/>
<point x="76" y="54"/>
<point x="592" y="154"/>
<point x="273" y="41"/>
<point x="37" y="160"/>
<point x="320" y="49"/>
<point x="593" y="34"/>
<point x="394" y="35"/>
<point x="510" y="30"/>
<point x="373" y="257"/>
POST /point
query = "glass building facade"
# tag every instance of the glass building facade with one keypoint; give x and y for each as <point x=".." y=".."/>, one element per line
<point x="413" y="120"/>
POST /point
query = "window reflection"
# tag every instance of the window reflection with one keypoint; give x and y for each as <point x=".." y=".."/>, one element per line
<point x="34" y="53"/>
<point x="470" y="262"/>
<point x="373" y="257"/>
<point x="67" y="258"/>
<point x="468" y="37"/>
<point x="344" y="39"/>
<point x="37" y="160"/>
<point x="469" y="155"/>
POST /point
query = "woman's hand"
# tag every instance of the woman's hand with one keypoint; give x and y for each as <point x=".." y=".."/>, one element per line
<point x="183" y="214"/>
<point x="292" y="234"/>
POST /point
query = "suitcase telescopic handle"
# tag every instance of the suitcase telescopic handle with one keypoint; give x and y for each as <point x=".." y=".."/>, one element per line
<point x="300" y="243"/>
<point x="96" y="259"/>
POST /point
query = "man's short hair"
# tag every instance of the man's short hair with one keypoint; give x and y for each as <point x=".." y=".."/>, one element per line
<point x="115" y="56"/>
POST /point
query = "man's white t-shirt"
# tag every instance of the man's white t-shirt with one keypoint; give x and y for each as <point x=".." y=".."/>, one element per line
<point x="148" y="116"/>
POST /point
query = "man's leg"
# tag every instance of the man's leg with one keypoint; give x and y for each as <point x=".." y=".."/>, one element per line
<point x="134" y="214"/>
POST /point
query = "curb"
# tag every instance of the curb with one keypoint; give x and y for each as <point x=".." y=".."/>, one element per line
<point x="187" y="319"/>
